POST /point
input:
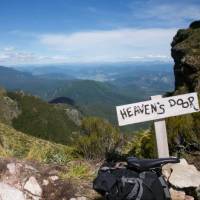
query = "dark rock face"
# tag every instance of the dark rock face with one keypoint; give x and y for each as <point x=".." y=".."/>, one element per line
<point x="186" y="54"/>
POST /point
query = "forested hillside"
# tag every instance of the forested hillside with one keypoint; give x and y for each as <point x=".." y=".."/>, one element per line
<point x="36" y="117"/>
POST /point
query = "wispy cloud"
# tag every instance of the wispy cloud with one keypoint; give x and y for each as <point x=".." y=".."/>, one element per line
<point x="113" y="45"/>
<point x="94" y="46"/>
<point x="11" y="55"/>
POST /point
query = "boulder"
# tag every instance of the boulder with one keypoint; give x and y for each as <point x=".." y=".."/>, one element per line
<point x="12" y="168"/>
<point x="33" y="186"/>
<point x="182" y="175"/>
<point x="10" y="193"/>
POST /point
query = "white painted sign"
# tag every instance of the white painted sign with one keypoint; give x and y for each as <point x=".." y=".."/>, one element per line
<point x="157" y="109"/>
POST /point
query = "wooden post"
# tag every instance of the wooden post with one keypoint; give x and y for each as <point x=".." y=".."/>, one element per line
<point x="147" y="111"/>
<point x="161" y="135"/>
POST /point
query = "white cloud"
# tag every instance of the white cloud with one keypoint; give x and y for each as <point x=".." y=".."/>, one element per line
<point x="137" y="57"/>
<point x="113" y="45"/>
<point x="94" y="46"/>
<point x="158" y="56"/>
<point x="3" y="57"/>
<point x="9" y="48"/>
<point x="10" y="55"/>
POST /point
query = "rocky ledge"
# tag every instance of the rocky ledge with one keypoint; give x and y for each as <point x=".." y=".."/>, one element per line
<point x="24" y="180"/>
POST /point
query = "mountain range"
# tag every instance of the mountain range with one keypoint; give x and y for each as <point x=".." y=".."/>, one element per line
<point x="95" y="90"/>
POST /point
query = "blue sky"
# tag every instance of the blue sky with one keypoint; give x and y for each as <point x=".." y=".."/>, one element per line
<point x="71" y="31"/>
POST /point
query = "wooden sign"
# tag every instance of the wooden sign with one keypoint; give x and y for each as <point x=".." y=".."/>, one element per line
<point x="157" y="108"/>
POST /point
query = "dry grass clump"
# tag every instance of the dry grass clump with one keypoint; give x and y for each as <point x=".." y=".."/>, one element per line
<point x="16" y="144"/>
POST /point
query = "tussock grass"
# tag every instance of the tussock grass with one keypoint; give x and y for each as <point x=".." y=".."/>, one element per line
<point x="77" y="170"/>
<point x="17" y="144"/>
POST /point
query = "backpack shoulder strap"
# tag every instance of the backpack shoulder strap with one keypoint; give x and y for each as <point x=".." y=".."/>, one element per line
<point x="137" y="190"/>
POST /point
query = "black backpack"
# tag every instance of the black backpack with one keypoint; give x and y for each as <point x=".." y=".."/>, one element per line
<point x="138" y="180"/>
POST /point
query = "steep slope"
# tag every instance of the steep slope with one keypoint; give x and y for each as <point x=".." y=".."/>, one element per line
<point x="36" y="117"/>
<point x="19" y="145"/>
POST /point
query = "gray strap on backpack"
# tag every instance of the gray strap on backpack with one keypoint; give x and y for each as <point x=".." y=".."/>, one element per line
<point x="165" y="187"/>
<point x="137" y="189"/>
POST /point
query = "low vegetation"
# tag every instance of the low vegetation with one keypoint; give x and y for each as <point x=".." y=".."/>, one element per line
<point x="97" y="139"/>
<point x="17" y="144"/>
<point x="141" y="145"/>
<point x="182" y="130"/>
<point x="77" y="170"/>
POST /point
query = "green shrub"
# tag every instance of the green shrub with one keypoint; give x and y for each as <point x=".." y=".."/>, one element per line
<point x="142" y="145"/>
<point x="181" y="128"/>
<point x="98" y="138"/>
<point x="3" y="152"/>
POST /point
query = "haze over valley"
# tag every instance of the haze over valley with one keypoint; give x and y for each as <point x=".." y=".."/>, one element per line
<point x="95" y="88"/>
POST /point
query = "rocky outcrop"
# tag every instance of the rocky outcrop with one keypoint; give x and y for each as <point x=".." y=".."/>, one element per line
<point x="185" y="51"/>
<point x="183" y="179"/>
<point x="28" y="180"/>
<point x="9" y="108"/>
<point x="186" y="55"/>
<point x="74" y="115"/>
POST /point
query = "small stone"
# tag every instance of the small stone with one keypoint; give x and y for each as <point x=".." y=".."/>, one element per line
<point x="33" y="187"/>
<point x="81" y="198"/>
<point x="29" y="167"/>
<point x="73" y="199"/>
<point x="45" y="182"/>
<point x="54" y="178"/>
<point x="53" y="172"/>
<point x="10" y="193"/>
<point x="11" y="168"/>
<point x="177" y="195"/>
<point x="189" y="197"/>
